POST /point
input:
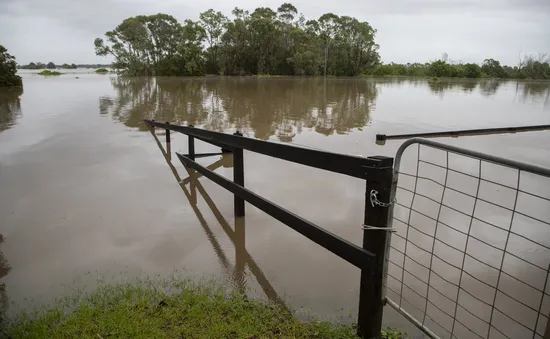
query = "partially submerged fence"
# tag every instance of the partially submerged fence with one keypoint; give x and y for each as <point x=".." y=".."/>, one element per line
<point x="471" y="250"/>
<point x="370" y="258"/>
<point x="471" y="253"/>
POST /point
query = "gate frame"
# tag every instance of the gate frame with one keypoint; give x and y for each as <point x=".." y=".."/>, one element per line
<point x="520" y="166"/>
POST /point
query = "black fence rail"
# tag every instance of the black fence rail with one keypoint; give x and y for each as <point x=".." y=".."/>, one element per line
<point x="237" y="236"/>
<point x="466" y="132"/>
<point x="380" y="189"/>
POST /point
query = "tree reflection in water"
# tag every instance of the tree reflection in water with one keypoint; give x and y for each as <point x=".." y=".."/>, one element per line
<point x="10" y="106"/>
<point x="535" y="92"/>
<point x="280" y="107"/>
<point x="4" y="270"/>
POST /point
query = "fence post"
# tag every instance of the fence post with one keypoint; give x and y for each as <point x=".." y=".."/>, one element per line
<point x="238" y="176"/>
<point x="191" y="146"/>
<point x="240" y="250"/>
<point x="168" y="144"/>
<point x="376" y="238"/>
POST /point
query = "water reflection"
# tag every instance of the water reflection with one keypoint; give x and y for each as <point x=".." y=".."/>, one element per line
<point x="4" y="270"/>
<point x="469" y="86"/>
<point x="485" y="87"/>
<point x="280" y="107"/>
<point x="534" y="92"/>
<point x="439" y="87"/>
<point x="489" y="87"/>
<point x="243" y="259"/>
<point x="10" y="107"/>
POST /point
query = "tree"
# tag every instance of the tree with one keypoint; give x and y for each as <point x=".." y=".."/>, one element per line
<point x="355" y="44"/>
<point x="263" y="41"/>
<point x="439" y="68"/>
<point x="472" y="71"/>
<point x="532" y="67"/>
<point x="492" y="68"/>
<point x="213" y="24"/>
<point x="8" y="69"/>
<point x="263" y="34"/>
<point x="50" y="65"/>
<point x="153" y="45"/>
<point x="287" y="12"/>
<point x="327" y="30"/>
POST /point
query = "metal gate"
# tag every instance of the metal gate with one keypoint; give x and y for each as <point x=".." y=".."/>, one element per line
<point x="470" y="251"/>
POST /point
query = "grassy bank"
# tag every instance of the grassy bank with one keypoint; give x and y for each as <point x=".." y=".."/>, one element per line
<point x="177" y="310"/>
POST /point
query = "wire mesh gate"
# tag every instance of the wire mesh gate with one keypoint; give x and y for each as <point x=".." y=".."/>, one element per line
<point x="471" y="250"/>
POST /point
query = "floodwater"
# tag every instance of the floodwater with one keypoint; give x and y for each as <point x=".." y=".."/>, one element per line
<point x="87" y="193"/>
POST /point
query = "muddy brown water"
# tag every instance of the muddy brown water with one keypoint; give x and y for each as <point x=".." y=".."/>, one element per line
<point x="86" y="192"/>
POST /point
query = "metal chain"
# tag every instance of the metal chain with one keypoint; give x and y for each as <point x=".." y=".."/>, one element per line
<point x="375" y="202"/>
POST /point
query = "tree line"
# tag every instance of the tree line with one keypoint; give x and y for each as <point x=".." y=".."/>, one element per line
<point x="530" y="67"/>
<point x="51" y="65"/>
<point x="265" y="41"/>
<point x="275" y="42"/>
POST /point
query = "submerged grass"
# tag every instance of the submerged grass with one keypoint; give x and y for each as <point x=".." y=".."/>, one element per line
<point x="47" y="72"/>
<point x="180" y="309"/>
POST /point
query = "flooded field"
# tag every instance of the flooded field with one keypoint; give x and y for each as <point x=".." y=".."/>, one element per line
<point x="86" y="193"/>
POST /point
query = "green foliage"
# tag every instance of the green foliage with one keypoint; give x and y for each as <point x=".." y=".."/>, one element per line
<point x="441" y="68"/>
<point x="530" y="68"/>
<point x="272" y="42"/>
<point x="47" y="72"/>
<point x="265" y="41"/>
<point x="8" y="69"/>
<point x="472" y="71"/>
<point x="535" y="68"/>
<point x="67" y="66"/>
<point x="51" y="65"/>
<point x="154" y="45"/>
<point x="492" y="68"/>
<point x="189" y="311"/>
<point x="32" y="65"/>
<point x="391" y="333"/>
<point x="102" y="70"/>
<point x="213" y="24"/>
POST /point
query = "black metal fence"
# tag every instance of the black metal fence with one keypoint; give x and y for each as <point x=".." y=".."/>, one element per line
<point x="379" y="187"/>
<point x="464" y="253"/>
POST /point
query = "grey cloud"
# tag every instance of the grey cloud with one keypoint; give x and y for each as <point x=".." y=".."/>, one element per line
<point x="408" y="30"/>
<point x="412" y="7"/>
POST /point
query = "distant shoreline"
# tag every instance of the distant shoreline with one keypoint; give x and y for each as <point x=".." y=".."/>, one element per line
<point x="266" y="76"/>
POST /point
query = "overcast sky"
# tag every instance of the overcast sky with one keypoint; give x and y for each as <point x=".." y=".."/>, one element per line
<point x="63" y="31"/>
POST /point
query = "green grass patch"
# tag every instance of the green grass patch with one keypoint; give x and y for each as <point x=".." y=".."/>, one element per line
<point x="47" y="72"/>
<point x="102" y="70"/>
<point x="173" y="310"/>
